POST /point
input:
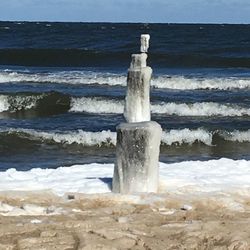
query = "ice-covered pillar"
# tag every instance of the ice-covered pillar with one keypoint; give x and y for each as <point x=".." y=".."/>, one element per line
<point x="138" y="140"/>
<point x="137" y="156"/>
<point x="137" y="102"/>
<point x="145" y="43"/>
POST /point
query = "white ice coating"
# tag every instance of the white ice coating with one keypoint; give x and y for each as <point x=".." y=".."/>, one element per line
<point x="145" y="43"/>
<point x="137" y="104"/>
<point x="137" y="155"/>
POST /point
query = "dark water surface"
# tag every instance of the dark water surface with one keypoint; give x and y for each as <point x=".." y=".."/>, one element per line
<point x="62" y="88"/>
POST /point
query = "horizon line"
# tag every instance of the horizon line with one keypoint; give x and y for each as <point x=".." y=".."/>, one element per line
<point x="126" y="22"/>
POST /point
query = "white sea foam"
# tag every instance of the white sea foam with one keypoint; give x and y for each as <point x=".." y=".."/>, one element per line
<point x="90" y="77"/>
<point x="223" y="175"/>
<point x="107" y="137"/>
<point x="101" y="105"/>
<point x="15" y="103"/>
<point x="85" y="138"/>
<point x="200" y="109"/>
<point x="237" y="136"/>
<point x="95" y="105"/>
<point x="182" y="83"/>
<point x="65" y="77"/>
<point x="4" y="104"/>
<point x="187" y="136"/>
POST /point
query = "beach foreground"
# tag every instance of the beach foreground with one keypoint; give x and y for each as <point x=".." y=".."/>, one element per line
<point x="42" y="220"/>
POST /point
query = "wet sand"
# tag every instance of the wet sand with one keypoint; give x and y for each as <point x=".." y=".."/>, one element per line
<point x="42" y="220"/>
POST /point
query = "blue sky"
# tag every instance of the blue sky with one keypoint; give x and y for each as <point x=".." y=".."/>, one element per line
<point x="174" y="11"/>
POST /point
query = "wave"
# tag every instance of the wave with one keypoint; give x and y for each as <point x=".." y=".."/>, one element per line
<point x="200" y="109"/>
<point x="39" y="104"/>
<point x="64" y="77"/>
<point x="108" y="138"/>
<point x="100" y="105"/>
<point x="237" y="136"/>
<point x="4" y="104"/>
<point x="84" y="138"/>
<point x="190" y="136"/>
<point x="96" y="105"/>
<point x="111" y="79"/>
<point x="187" y="136"/>
<point x="51" y="103"/>
<point x="183" y="83"/>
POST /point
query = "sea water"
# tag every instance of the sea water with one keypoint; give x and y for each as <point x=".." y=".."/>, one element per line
<point x="62" y="90"/>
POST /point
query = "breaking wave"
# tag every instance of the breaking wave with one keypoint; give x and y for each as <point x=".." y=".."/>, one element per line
<point x="84" y="138"/>
<point x="40" y="104"/>
<point x="237" y="136"/>
<point x="96" y="105"/>
<point x="4" y="104"/>
<point x="64" y="77"/>
<point x="56" y="103"/>
<point x="183" y="83"/>
<point x="99" y="105"/>
<point x="102" y="78"/>
<point x="187" y="136"/>
<point x="200" y="109"/>
<point x="108" y="138"/>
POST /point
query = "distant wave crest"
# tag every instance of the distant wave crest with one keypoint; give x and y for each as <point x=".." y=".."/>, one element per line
<point x="101" y="78"/>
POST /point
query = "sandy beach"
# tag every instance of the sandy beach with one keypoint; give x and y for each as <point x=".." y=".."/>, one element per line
<point x="63" y="86"/>
<point x="42" y="220"/>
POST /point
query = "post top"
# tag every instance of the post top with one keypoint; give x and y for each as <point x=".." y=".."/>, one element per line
<point x="145" y="42"/>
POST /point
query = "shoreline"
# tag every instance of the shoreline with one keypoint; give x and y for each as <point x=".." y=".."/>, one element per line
<point x="42" y="220"/>
<point x="200" y="205"/>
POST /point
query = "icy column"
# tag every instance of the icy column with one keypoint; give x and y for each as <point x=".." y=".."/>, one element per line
<point x="137" y="103"/>
<point x="137" y="156"/>
<point x="145" y="43"/>
<point x="138" y="140"/>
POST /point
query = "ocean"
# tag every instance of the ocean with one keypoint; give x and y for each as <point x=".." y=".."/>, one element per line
<point x="62" y="90"/>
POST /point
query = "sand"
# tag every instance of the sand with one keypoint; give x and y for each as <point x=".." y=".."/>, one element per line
<point x="42" y="220"/>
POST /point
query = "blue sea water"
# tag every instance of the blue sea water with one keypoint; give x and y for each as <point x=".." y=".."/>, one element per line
<point x="62" y="88"/>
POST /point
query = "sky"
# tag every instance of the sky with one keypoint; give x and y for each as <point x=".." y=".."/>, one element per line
<point x="146" y="11"/>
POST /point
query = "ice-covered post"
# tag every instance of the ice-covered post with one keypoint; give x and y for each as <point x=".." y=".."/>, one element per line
<point x="138" y="140"/>
<point x="137" y="105"/>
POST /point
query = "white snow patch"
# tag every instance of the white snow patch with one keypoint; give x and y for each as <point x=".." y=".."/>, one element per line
<point x="35" y="221"/>
<point x="28" y="209"/>
<point x="223" y="175"/>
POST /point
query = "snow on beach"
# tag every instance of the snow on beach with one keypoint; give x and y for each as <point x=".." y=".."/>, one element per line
<point x="190" y="177"/>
